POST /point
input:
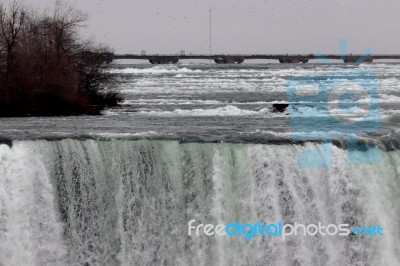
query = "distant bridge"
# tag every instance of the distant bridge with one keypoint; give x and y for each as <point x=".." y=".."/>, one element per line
<point x="239" y="58"/>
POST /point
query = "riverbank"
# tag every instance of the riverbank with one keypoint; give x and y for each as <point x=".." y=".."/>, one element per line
<point x="46" y="69"/>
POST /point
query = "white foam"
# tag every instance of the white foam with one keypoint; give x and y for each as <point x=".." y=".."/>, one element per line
<point x="228" y="110"/>
<point x="154" y="70"/>
<point x="125" y="135"/>
<point x="170" y="102"/>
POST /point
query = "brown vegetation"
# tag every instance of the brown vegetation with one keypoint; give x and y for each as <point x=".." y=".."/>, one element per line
<point x="45" y="69"/>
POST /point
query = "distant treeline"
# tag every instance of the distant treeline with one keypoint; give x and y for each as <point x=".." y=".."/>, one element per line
<point x="45" y="67"/>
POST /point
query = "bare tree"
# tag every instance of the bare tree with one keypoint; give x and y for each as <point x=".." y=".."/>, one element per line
<point x="65" y="21"/>
<point x="12" y="20"/>
<point x="50" y="70"/>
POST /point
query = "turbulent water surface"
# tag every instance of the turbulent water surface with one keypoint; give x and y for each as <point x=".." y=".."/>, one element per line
<point x="198" y="142"/>
<point x="209" y="103"/>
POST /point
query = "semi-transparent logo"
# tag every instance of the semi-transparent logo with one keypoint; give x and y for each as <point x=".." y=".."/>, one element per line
<point x="342" y="104"/>
<point x="280" y="229"/>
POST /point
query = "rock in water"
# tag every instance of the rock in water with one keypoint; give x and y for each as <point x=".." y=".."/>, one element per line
<point x="279" y="107"/>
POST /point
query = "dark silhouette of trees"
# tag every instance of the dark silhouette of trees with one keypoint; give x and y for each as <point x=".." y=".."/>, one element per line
<point x="11" y="24"/>
<point x="46" y="69"/>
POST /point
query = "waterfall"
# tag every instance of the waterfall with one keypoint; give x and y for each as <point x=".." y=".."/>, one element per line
<point x="88" y="202"/>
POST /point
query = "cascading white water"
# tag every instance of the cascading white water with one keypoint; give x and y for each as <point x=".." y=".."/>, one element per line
<point x="90" y="202"/>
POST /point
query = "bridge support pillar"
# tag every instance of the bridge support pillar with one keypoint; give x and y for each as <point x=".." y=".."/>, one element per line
<point x="293" y="60"/>
<point x="229" y="60"/>
<point x="164" y="60"/>
<point x="354" y="59"/>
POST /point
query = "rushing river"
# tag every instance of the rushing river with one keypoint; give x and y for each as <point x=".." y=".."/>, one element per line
<point x="200" y="142"/>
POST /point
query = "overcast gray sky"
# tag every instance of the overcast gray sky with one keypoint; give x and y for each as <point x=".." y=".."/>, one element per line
<point x="253" y="26"/>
